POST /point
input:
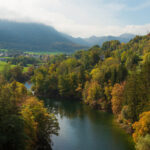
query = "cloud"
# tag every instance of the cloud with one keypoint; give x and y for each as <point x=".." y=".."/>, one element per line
<point x="78" y="18"/>
<point x="111" y="30"/>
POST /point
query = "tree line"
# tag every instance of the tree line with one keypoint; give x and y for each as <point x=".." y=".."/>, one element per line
<point x="114" y="78"/>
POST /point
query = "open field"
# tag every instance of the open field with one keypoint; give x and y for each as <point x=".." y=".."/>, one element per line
<point x="44" y="53"/>
<point x="3" y="64"/>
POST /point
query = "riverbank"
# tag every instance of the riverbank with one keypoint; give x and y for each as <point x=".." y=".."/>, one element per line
<point x="80" y="124"/>
<point x="79" y="113"/>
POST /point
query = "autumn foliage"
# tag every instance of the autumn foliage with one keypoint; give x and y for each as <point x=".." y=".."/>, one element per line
<point x="142" y="127"/>
<point x="24" y="121"/>
<point x="117" y="98"/>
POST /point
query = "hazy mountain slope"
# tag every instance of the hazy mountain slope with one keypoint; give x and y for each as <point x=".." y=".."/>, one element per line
<point x="93" y="40"/>
<point x="39" y="37"/>
<point x="78" y="40"/>
<point x="33" y="36"/>
<point x="100" y="40"/>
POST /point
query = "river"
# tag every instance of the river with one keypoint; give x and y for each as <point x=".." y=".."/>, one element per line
<point x="83" y="128"/>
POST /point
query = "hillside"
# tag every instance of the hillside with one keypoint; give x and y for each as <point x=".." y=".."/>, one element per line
<point x="100" y="40"/>
<point x="39" y="37"/>
<point x="94" y="40"/>
<point x="33" y="37"/>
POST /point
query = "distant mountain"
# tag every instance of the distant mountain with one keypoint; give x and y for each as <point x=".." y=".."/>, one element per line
<point x="39" y="37"/>
<point x="93" y="40"/>
<point x="78" y="40"/>
<point x="100" y="40"/>
<point x="34" y="37"/>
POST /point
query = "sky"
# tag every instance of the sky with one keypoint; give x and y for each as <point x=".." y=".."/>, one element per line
<point x="82" y="18"/>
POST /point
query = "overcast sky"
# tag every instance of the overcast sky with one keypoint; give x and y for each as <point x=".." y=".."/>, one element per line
<point x="82" y="18"/>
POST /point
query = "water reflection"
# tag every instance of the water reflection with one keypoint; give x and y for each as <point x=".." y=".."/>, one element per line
<point x="83" y="128"/>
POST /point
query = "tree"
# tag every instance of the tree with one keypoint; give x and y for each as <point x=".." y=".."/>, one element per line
<point x="110" y="45"/>
<point x="12" y="135"/>
<point x="133" y="96"/>
<point x="136" y="93"/>
<point x="24" y="121"/>
<point x="142" y="127"/>
<point x="17" y="73"/>
<point x="146" y="58"/>
<point x="92" y="92"/>
<point x="108" y="90"/>
<point x="41" y="82"/>
<point x="43" y="124"/>
<point x="68" y="85"/>
<point x="6" y="72"/>
<point x="117" y="98"/>
<point x="143" y="143"/>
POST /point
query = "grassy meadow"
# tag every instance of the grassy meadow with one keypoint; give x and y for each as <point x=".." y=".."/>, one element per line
<point x="3" y="64"/>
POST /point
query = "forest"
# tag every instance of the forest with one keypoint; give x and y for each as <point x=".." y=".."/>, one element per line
<point x="113" y="78"/>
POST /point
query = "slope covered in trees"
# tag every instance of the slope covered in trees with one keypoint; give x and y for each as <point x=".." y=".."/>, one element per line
<point x="39" y="37"/>
<point x="33" y="37"/>
<point x="113" y="78"/>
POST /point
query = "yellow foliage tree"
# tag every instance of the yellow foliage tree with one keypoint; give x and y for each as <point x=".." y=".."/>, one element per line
<point x="117" y="98"/>
<point x="39" y="123"/>
<point x="142" y="127"/>
<point x="108" y="90"/>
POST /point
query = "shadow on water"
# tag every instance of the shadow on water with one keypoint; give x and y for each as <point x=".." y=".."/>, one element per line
<point x="83" y="128"/>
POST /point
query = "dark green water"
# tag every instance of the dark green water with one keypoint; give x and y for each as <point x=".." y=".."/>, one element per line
<point x="82" y="128"/>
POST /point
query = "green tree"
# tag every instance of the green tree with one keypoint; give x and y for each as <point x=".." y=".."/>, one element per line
<point x="43" y="124"/>
<point x="143" y="143"/>
<point x="12" y="135"/>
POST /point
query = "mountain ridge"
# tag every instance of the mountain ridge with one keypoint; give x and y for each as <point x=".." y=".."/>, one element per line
<point x="99" y="40"/>
<point x="40" y="37"/>
<point x="33" y="37"/>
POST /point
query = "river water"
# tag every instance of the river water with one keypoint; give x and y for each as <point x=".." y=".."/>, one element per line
<point x="83" y="128"/>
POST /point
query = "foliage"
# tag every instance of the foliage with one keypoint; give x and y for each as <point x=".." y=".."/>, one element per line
<point x="15" y="73"/>
<point x="108" y="90"/>
<point x="24" y="122"/>
<point x="142" y="127"/>
<point x="143" y="143"/>
<point x="113" y="77"/>
<point x="117" y="98"/>
<point x="23" y="60"/>
<point x="110" y="45"/>
<point x="93" y="93"/>
<point x="12" y="134"/>
<point x="136" y="94"/>
<point x="40" y="125"/>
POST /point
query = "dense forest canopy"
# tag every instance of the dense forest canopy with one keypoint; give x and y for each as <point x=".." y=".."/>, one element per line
<point x="114" y="78"/>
